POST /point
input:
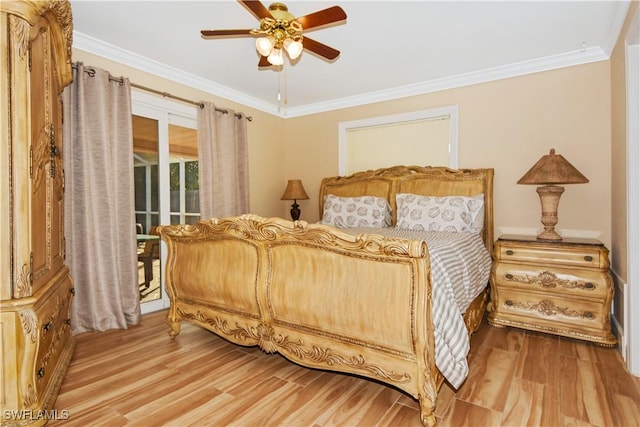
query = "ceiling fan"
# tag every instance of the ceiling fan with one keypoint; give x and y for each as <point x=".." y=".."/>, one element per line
<point x="281" y="32"/>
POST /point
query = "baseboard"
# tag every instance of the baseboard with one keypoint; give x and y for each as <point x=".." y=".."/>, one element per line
<point x="621" y="291"/>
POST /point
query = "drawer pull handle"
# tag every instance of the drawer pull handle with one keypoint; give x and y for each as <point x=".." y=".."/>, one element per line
<point x="588" y="315"/>
<point x="589" y="285"/>
<point x="73" y="291"/>
<point x="47" y="326"/>
<point x="40" y="372"/>
<point x="508" y="303"/>
<point x="68" y="321"/>
<point x="509" y="276"/>
<point x="588" y="258"/>
<point x="509" y="252"/>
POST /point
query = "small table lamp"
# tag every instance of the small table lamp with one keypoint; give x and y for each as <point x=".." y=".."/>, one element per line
<point x="551" y="169"/>
<point x="294" y="191"/>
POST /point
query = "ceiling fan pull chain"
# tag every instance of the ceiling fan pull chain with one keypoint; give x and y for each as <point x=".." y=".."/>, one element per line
<point x="279" y="90"/>
<point x="286" y="91"/>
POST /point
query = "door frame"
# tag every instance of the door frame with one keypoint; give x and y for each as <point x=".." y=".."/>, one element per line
<point x="632" y="73"/>
<point x="166" y="112"/>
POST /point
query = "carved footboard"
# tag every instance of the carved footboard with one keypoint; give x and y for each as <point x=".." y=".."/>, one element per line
<point x="320" y="297"/>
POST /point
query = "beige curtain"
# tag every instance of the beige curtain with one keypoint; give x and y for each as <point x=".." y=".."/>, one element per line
<point x="99" y="201"/>
<point x="223" y="162"/>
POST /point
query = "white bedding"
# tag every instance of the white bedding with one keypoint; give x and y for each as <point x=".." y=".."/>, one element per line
<point x="460" y="268"/>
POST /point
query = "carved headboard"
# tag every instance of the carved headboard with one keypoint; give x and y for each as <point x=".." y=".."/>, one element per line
<point x="426" y="181"/>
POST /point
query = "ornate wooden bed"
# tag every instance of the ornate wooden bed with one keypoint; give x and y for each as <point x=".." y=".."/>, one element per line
<point x="321" y="296"/>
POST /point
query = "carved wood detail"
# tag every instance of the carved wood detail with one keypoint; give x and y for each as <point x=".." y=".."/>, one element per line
<point x="62" y="12"/>
<point x="271" y="342"/>
<point x="30" y="396"/>
<point x="29" y="322"/>
<point x="20" y="35"/>
<point x="548" y="308"/>
<point x="260" y="229"/>
<point x="23" y="286"/>
<point x="40" y="155"/>
<point x="547" y="279"/>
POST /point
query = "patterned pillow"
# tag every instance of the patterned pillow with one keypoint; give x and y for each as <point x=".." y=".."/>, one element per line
<point x="440" y="213"/>
<point x="348" y="212"/>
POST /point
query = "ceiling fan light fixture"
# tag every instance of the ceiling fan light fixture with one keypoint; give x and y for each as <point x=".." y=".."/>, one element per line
<point x="293" y="48"/>
<point x="265" y="45"/>
<point x="276" y="57"/>
<point x="280" y="31"/>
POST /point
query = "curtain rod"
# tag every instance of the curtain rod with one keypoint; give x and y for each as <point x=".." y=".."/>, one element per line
<point x="92" y="73"/>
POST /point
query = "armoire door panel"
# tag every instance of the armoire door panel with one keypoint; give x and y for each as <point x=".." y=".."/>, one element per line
<point x="46" y="164"/>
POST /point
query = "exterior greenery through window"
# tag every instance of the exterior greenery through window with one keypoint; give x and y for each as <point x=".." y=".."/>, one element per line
<point x="185" y="195"/>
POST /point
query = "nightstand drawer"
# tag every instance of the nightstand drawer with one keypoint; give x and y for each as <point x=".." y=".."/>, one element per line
<point x="580" y="257"/>
<point x="552" y="311"/>
<point x="567" y="282"/>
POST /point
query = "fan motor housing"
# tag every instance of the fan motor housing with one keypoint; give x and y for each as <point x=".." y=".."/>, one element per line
<point x="280" y="11"/>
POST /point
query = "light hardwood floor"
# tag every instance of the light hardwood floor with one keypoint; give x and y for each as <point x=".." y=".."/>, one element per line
<point x="141" y="377"/>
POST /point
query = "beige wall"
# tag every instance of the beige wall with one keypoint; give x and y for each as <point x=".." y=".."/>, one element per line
<point x="266" y="158"/>
<point x="507" y="125"/>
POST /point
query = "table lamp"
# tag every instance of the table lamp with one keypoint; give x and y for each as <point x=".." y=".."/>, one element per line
<point x="550" y="170"/>
<point x="294" y="191"/>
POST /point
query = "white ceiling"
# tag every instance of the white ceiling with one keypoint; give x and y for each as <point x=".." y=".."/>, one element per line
<point x="389" y="49"/>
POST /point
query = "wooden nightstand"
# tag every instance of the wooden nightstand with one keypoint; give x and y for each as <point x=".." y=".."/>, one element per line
<point x="562" y="288"/>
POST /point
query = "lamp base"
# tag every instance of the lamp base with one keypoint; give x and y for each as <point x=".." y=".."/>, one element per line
<point x="295" y="211"/>
<point x="549" y="235"/>
<point x="549" y="199"/>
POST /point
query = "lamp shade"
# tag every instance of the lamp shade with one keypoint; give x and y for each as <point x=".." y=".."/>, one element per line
<point x="265" y="44"/>
<point x="294" y="191"/>
<point x="551" y="169"/>
<point x="293" y="48"/>
<point x="276" y="57"/>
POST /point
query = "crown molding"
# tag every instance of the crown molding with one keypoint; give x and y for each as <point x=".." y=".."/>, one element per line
<point x="98" y="47"/>
<point x="578" y="57"/>
<point x="487" y="75"/>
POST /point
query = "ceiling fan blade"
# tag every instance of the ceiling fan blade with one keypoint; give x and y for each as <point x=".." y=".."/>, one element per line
<point x="322" y="17"/>
<point x="319" y="48"/>
<point x="263" y="62"/>
<point x="257" y="9"/>
<point x="225" y="33"/>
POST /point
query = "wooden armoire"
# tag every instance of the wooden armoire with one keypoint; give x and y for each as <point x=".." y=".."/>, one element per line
<point x="35" y="285"/>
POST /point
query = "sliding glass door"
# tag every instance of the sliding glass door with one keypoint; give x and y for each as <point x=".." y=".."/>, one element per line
<point x="147" y="206"/>
<point x="166" y="184"/>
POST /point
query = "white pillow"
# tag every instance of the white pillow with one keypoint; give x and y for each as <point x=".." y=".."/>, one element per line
<point x="348" y="212"/>
<point x="440" y="213"/>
